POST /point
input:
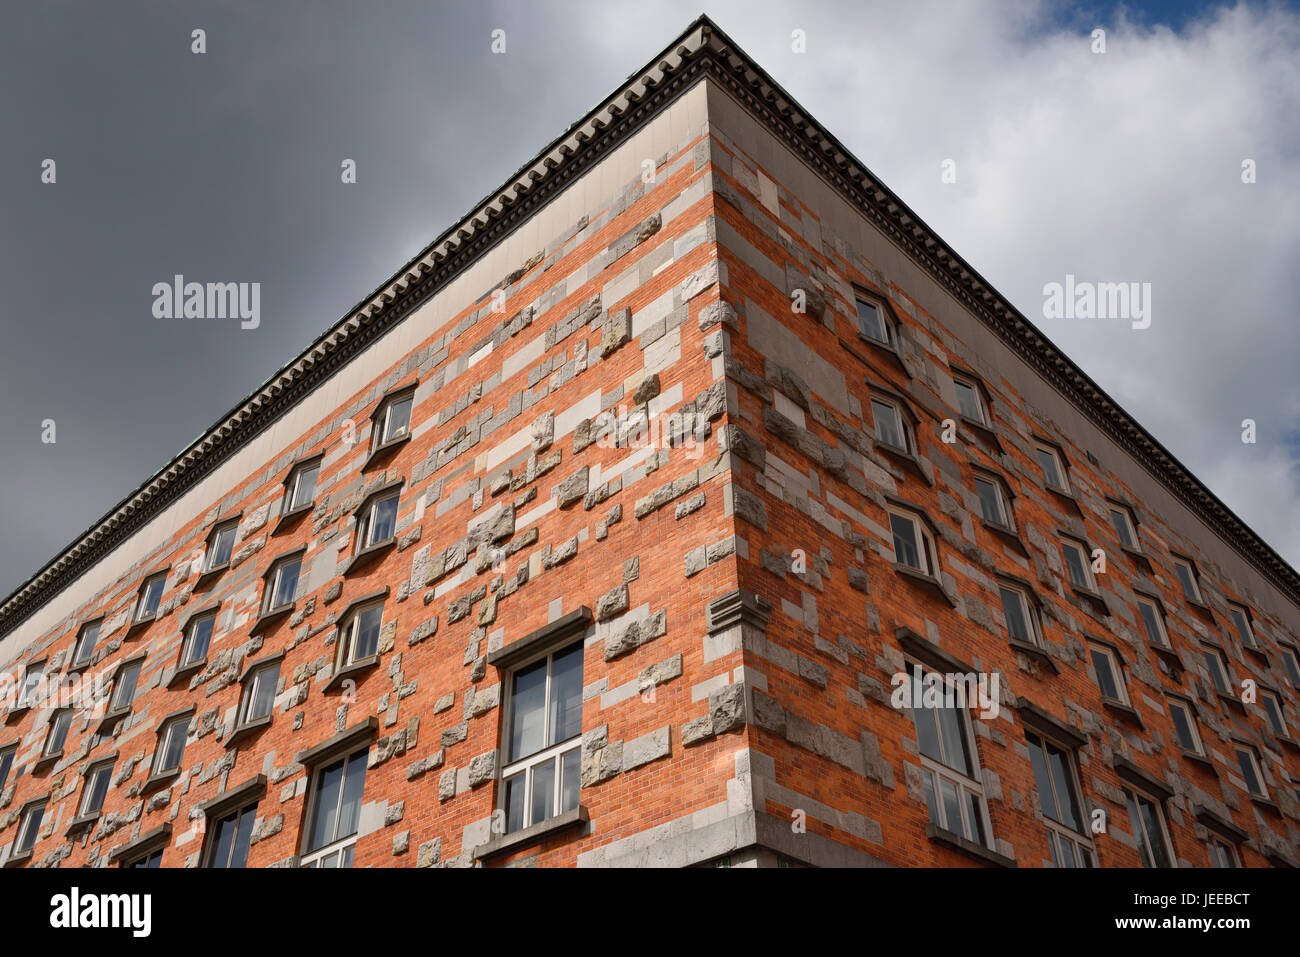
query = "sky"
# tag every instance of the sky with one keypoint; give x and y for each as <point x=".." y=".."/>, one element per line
<point x="225" y="166"/>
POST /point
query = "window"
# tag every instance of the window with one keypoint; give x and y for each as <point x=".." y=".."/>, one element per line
<point x="393" y="419"/>
<point x="970" y="400"/>
<point x="6" y="764"/>
<point x="150" y="595"/>
<point x="378" y="521"/>
<point x="872" y="323"/>
<point x="336" y="810"/>
<point x="152" y="859"/>
<point x="890" y="428"/>
<point x="361" y="634"/>
<point x="1250" y="771"/>
<point x="1125" y="527"/>
<point x="259" y="693"/>
<point x="95" y="789"/>
<point x="198" y="636"/>
<point x="1021" y="622"/>
<point x="1218" y="670"/>
<point x="86" y="642"/>
<point x="1076" y="564"/>
<point x="544" y="744"/>
<point x="300" y="489"/>
<point x="993" y="501"/>
<point x="230" y="838"/>
<point x="1148" y="822"/>
<point x="124" y="685"/>
<point x="32" y="817"/>
<point x="1186" y="573"/>
<point x="1058" y="794"/>
<point x="282" y="582"/>
<point x="58" y="734"/>
<point x="1272" y="706"/>
<point x="1241" y="622"/>
<point x="1049" y="460"/>
<point x="954" y="791"/>
<point x="32" y="676"/>
<point x="171" y="745"/>
<point x="221" y="545"/>
<point x="1291" y="660"/>
<point x="1153" y="621"/>
<point x="1110" y="674"/>
<point x="1186" y="731"/>
<point x="912" y="542"/>
<point x="1223" y="854"/>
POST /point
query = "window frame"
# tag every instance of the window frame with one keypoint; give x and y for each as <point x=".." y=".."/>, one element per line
<point x="1004" y="497"/>
<point x="1130" y="523"/>
<point x="1193" y="576"/>
<point x="106" y="768"/>
<point x="1080" y="841"/>
<point x="1029" y="606"/>
<point x="253" y="681"/>
<point x="26" y="827"/>
<point x="187" y="659"/>
<point x="382" y="418"/>
<point x="1062" y="468"/>
<point x="24" y="700"/>
<point x="214" y="830"/>
<point x="553" y="754"/>
<point x="1271" y="695"/>
<point x="887" y="320"/>
<point x="347" y="645"/>
<point x="64" y="716"/>
<point x="293" y="482"/>
<point x="165" y="732"/>
<point x="140" y="616"/>
<point x="1132" y="795"/>
<point x="984" y="417"/>
<point x="366" y="521"/>
<point x="1241" y="747"/>
<point x="273" y="578"/>
<point x="80" y="658"/>
<point x="1290" y="663"/>
<point x="926" y="549"/>
<point x="210" y="552"/>
<point x="901" y="417"/>
<point x="9" y="751"/>
<point x="136" y="664"/>
<point x="1193" y="724"/>
<point x="1249" y="640"/>
<point x="1157" y="608"/>
<point x="1116" y="666"/>
<point x="1234" y="858"/>
<point x="1089" y="583"/>
<point x="339" y="845"/>
<point x="1222" y="660"/>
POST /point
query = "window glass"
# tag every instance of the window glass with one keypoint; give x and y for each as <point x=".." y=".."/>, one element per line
<point x="1151" y="622"/>
<point x="96" y="789"/>
<point x="222" y="546"/>
<point x="1013" y="606"/>
<point x="367" y="623"/>
<point x="151" y="596"/>
<point x="200" y="637"/>
<point x="907" y="541"/>
<point x="1106" y="677"/>
<point x="124" y="685"/>
<point x="1121" y="523"/>
<point x="871" y="322"/>
<point x="1214" y="664"/>
<point x="286" y="581"/>
<point x="889" y="428"/>
<point x="304" y="486"/>
<point x="1190" y="589"/>
<point x="86" y="642"/>
<point x="383" y="520"/>
<point x="1051" y="469"/>
<point x="990" y="502"/>
<point x="1184" y="727"/>
<point x="398" y="418"/>
<point x="1074" y="564"/>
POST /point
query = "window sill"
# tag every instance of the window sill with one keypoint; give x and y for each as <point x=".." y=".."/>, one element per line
<point x="289" y="519"/>
<point x="1167" y="652"/>
<point x="1266" y="804"/>
<point x="1201" y="759"/>
<point x="156" y="782"/>
<point x="356" y="668"/>
<point x="185" y="672"/>
<point x="15" y="713"/>
<point x="1036" y="653"/>
<point x="1258" y="652"/>
<point x="982" y="430"/>
<point x="245" y="730"/>
<point x="958" y="843"/>
<point x="1232" y="700"/>
<point x="1127" y="712"/>
<point x="19" y="859"/>
<point x="905" y="458"/>
<point x="46" y="761"/>
<point x="211" y="575"/>
<point x="139" y="625"/>
<point x="382" y="452"/>
<point x="1065" y="497"/>
<point x="77" y="667"/>
<point x="1290" y="742"/>
<point x="1138" y="556"/>
<point x="111" y="718"/>
<point x="928" y="582"/>
<point x="368" y="554"/>
<point x="1204" y="610"/>
<point x="1094" y="598"/>
<point x="79" y="824"/>
<point x="534" y="834"/>
<point x="1007" y="534"/>
<point x="267" y="619"/>
<point x="889" y="349"/>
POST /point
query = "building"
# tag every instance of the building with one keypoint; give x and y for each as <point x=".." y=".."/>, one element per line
<point x="623" y="526"/>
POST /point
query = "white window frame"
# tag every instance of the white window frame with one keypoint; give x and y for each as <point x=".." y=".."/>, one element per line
<point x="881" y="312"/>
<point x="1058" y="459"/>
<point x="383" y="418"/>
<point x="294" y="483"/>
<point x="1028" y="607"/>
<point x="191" y="629"/>
<point x="26" y="689"/>
<point x="127" y="666"/>
<point x="925" y="548"/>
<point x="1240" y="617"/>
<point x="65" y="716"/>
<point x="1266" y="694"/>
<point x="1003" y="501"/>
<point x="1089" y="583"/>
<point x="1116" y="667"/>
<point x="218" y="531"/>
<point x="1193" y="725"/>
<point x="10" y="752"/>
<point x="981" y="407"/>
<point x="273" y="579"/>
<point x="351" y="628"/>
<point x="26" y="838"/>
<point x="939" y="771"/>
<point x="269" y="671"/>
<point x="900" y="417"/>
<point x="213" y="829"/>
<point x="1208" y="653"/>
<point x="88" y="788"/>
<point x="1291" y="663"/>
<point x="366" y="526"/>
<point x="1192" y="577"/>
<point x="340" y="845"/>
<point x="90" y="630"/>
<point x="165" y="735"/>
<point x="1256" y="765"/>
<point x="1130" y="526"/>
<point x="1131" y="798"/>
<point x="159" y="579"/>
<point x="1158" y="616"/>
<point x="1080" y="842"/>
<point x="1218" y="846"/>
<point x="552" y="754"/>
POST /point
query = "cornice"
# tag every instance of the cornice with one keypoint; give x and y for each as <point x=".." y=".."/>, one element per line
<point x="702" y="50"/>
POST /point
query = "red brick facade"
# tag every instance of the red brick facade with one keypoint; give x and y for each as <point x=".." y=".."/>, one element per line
<point x="734" y="580"/>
